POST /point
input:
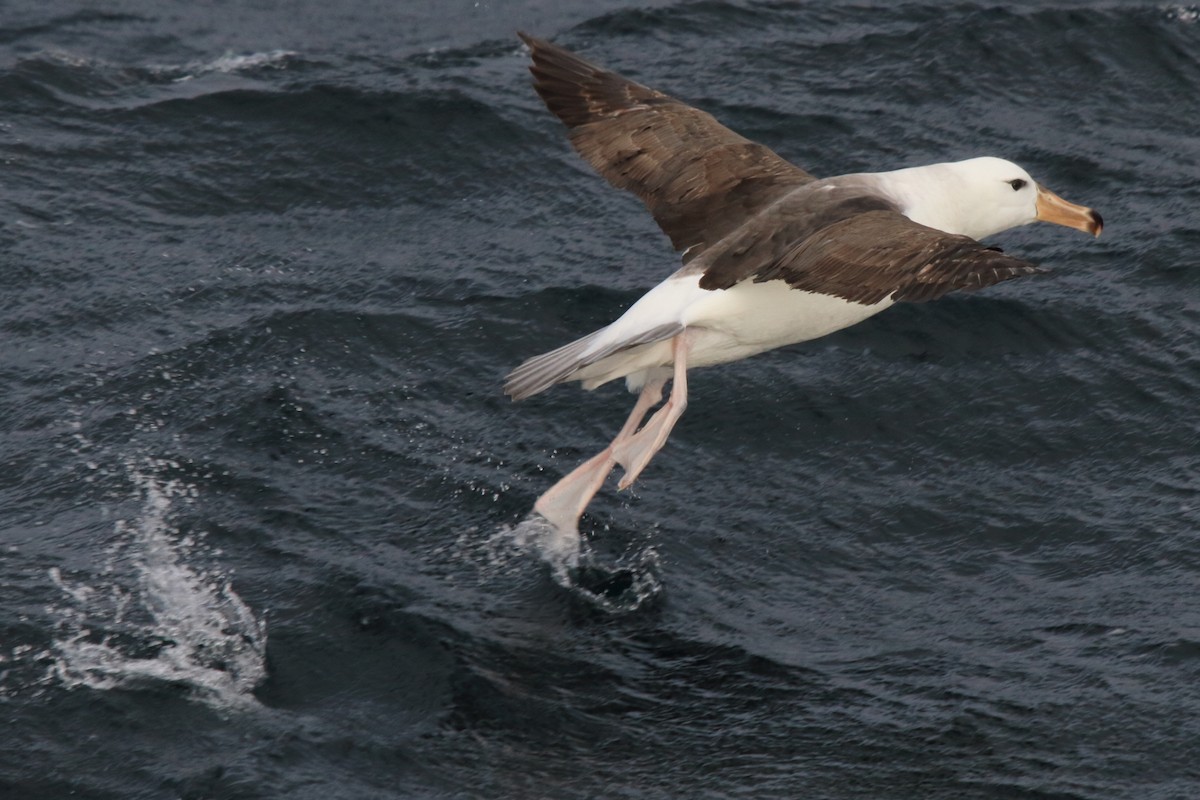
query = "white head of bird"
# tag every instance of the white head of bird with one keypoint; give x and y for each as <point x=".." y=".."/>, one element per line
<point x="982" y="196"/>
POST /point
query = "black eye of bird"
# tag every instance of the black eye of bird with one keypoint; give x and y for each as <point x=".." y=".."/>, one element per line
<point x="1017" y="183"/>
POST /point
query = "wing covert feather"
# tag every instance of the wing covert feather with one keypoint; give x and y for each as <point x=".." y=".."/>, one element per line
<point x="869" y="257"/>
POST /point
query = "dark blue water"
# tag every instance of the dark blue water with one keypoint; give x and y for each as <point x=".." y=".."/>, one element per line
<point x="264" y="266"/>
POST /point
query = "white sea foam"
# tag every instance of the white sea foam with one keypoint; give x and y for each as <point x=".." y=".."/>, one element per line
<point x="229" y="62"/>
<point x="225" y="63"/>
<point x="1186" y="14"/>
<point x="175" y="623"/>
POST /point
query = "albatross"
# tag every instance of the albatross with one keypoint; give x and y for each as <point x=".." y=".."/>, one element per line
<point x="772" y="255"/>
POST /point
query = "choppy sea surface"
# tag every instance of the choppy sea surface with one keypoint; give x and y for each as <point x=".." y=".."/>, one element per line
<point x="263" y="508"/>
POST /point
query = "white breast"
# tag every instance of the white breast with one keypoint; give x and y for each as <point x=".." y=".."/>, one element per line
<point x="750" y="318"/>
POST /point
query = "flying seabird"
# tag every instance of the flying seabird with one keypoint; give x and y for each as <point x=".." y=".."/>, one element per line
<point x="771" y="254"/>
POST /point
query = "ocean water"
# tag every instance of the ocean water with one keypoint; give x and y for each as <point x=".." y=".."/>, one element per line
<point x="264" y="511"/>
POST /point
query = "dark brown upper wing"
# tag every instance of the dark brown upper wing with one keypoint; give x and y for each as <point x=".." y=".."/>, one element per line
<point x="699" y="179"/>
<point x="869" y="256"/>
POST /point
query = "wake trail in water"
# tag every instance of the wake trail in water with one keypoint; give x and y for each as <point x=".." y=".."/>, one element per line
<point x="176" y="624"/>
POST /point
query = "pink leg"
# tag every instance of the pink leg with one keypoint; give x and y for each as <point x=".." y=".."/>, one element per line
<point x="634" y="452"/>
<point x="564" y="502"/>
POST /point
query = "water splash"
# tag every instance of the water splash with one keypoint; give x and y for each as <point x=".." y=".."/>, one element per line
<point x="560" y="549"/>
<point x="177" y="624"/>
<point x="626" y="585"/>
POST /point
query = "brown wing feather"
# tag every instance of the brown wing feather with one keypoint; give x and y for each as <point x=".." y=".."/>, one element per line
<point x="699" y="179"/>
<point x="776" y="232"/>
<point x="878" y="254"/>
